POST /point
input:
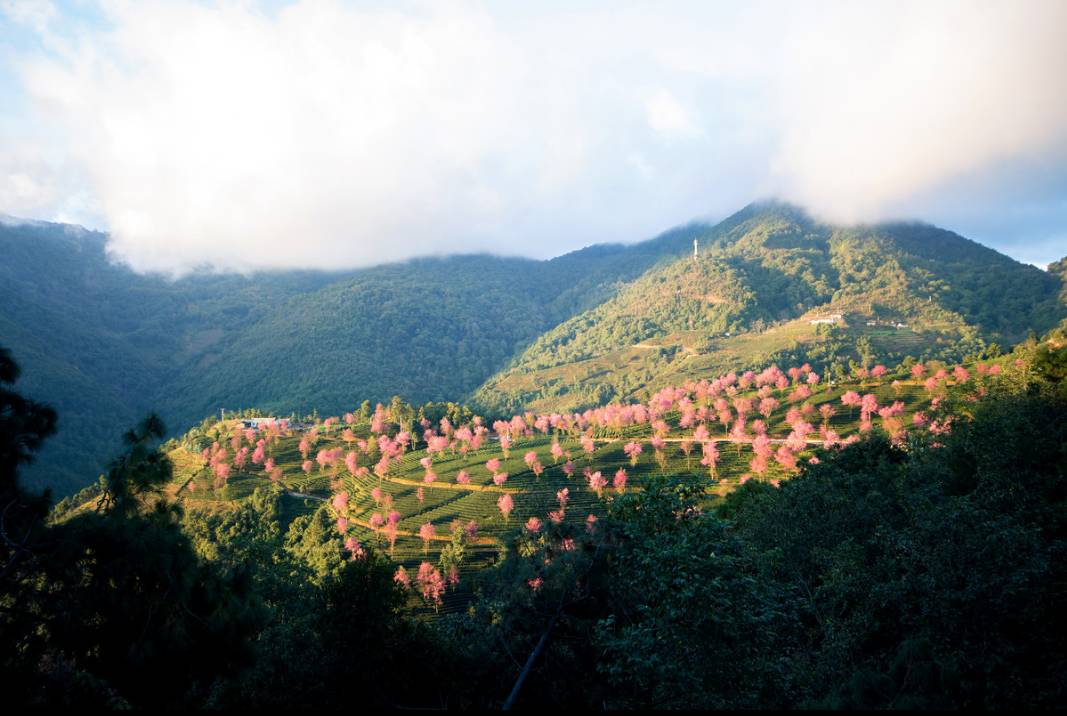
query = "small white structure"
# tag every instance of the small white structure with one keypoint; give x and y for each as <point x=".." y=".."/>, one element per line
<point x="827" y="320"/>
<point x="260" y="423"/>
<point x="694" y="249"/>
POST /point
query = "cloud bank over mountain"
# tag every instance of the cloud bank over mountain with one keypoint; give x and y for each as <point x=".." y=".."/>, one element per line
<point x="328" y="134"/>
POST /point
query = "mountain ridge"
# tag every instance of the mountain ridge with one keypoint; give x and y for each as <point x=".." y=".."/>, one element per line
<point x="105" y="344"/>
<point x="767" y="268"/>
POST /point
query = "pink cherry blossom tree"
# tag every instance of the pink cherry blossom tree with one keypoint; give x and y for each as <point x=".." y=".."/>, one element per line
<point x="597" y="483"/>
<point x="505" y="504"/>
<point x="427" y="533"/>
<point x="632" y="450"/>
<point x="711" y="457"/>
<point x="852" y="400"/>
<point x="530" y="458"/>
<point x="563" y="497"/>
<point x="556" y="450"/>
<point x="340" y="502"/>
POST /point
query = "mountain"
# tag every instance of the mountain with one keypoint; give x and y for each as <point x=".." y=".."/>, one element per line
<point x="104" y="344"/>
<point x="1059" y="268"/>
<point x="772" y="284"/>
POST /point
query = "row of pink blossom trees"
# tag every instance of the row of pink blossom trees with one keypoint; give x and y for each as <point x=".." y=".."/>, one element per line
<point x="695" y="406"/>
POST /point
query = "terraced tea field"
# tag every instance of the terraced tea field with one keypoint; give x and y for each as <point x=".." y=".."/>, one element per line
<point x="443" y="500"/>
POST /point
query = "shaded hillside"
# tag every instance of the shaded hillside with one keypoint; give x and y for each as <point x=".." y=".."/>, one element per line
<point x="100" y="342"/>
<point x="883" y="293"/>
<point x="1059" y="268"/>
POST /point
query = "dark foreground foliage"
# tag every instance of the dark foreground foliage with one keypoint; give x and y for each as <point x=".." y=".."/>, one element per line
<point x="916" y="575"/>
<point x="112" y="607"/>
<point x="923" y="575"/>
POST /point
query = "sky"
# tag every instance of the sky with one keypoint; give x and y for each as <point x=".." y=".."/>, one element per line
<point x="241" y="135"/>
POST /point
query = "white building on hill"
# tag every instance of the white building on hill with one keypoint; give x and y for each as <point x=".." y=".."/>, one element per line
<point x="830" y="320"/>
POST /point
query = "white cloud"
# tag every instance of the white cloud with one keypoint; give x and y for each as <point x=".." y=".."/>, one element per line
<point x="892" y="103"/>
<point x="37" y="14"/>
<point x="37" y="181"/>
<point x="667" y="116"/>
<point x="329" y="134"/>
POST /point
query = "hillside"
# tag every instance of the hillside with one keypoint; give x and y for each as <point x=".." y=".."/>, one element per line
<point x="104" y="344"/>
<point x="889" y="501"/>
<point x="735" y="428"/>
<point x="876" y="293"/>
<point x="1059" y="268"/>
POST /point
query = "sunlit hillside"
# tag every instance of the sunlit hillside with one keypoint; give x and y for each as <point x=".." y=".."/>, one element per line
<point x="772" y="285"/>
<point x="413" y="487"/>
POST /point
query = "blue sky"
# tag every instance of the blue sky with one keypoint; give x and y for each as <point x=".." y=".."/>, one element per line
<point x="243" y="135"/>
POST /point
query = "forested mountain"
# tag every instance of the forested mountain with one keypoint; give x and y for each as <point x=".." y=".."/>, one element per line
<point x="772" y="284"/>
<point x="104" y="344"/>
<point x="1059" y="268"/>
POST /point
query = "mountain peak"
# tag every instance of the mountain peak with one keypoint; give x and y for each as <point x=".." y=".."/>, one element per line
<point x="774" y="207"/>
